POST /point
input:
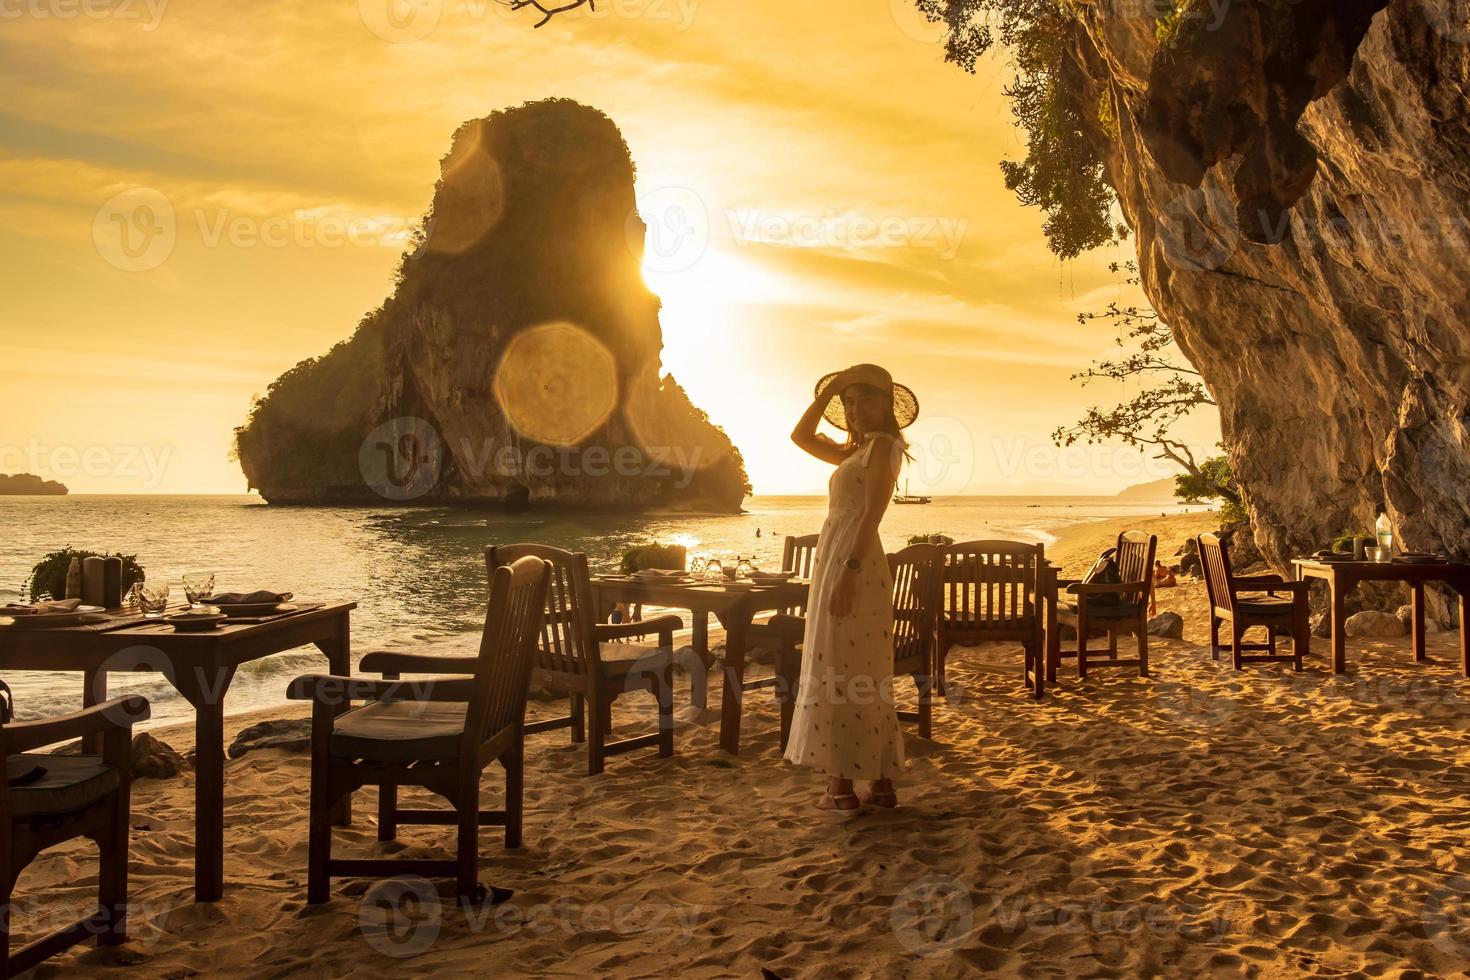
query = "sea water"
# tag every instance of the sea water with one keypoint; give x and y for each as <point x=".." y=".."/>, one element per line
<point x="417" y="573"/>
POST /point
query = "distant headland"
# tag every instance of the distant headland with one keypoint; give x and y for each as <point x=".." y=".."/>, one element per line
<point x="29" y="485"/>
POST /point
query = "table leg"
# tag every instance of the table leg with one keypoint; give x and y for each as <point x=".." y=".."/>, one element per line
<point x="205" y="688"/>
<point x="735" y="629"/>
<point x="1053" y="638"/>
<point x="1339" y="630"/>
<point x="1418" y="621"/>
<point x="338" y="648"/>
<point x="1464" y="590"/>
<point x="699" y="679"/>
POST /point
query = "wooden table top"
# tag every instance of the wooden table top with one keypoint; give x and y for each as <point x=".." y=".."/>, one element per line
<point x="74" y="647"/>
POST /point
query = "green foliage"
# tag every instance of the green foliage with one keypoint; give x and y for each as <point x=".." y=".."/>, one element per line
<point x="48" y="577"/>
<point x="1213" y="479"/>
<point x="1062" y="173"/>
<point x="930" y="539"/>
<point x="655" y="554"/>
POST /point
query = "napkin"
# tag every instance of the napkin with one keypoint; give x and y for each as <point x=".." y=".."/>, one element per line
<point x="248" y="598"/>
<point x="40" y="608"/>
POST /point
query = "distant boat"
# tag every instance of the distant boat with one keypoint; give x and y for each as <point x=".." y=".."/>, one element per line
<point x="909" y="498"/>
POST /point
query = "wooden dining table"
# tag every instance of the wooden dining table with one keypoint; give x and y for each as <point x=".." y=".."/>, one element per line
<point x="200" y="666"/>
<point x="735" y="610"/>
<point x="1342" y="576"/>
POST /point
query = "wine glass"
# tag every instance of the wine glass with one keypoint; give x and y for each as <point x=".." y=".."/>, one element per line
<point x="198" y="588"/>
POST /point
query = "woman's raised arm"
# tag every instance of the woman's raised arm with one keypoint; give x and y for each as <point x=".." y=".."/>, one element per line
<point x="806" y="435"/>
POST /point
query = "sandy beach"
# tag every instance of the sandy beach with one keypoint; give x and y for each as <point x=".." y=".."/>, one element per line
<point x="1203" y="820"/>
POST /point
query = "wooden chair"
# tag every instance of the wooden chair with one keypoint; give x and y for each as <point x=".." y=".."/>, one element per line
<point x="918" y="582"/>
<point x="991" y="593"/>
<point x="917" y="579"/>
<point x="1134" y="554"/>
<point x="61" y="797"/>
<point x="775" y="642"/>
<point x="438" y="733"/>
<point x="576" y="657"/>
<point x="1251" y="600"/>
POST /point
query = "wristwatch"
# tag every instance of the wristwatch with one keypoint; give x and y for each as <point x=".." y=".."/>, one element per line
<point x="852" y="564"/>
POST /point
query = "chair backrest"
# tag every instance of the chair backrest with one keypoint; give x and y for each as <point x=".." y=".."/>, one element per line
<point x="992" y="585"/>
<point x="1214" y="563"/>
<point x="503" y="668"/>
<point x="799" y="555"/>
<point x="917" y="580"/>
<point x="1135" y="558"/>
<point x="566" y="645"/>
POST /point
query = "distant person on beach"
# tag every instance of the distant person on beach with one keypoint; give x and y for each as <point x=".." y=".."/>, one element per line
<point x="1163" y="579"/>
<point x="845" y="724"/>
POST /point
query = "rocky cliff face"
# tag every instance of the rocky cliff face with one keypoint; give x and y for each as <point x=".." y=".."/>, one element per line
<point x="1295" y="172"/>
<point x="518" y="360"/>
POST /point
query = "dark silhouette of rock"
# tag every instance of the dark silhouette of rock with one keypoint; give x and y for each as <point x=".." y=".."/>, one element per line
<point x="291" y="734"/>
<point x="154" y="758"/>
<point x="30" y="485"/>
<point x="517" y="362"/>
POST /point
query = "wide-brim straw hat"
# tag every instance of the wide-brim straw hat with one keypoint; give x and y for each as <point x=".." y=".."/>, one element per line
<point x="905" y="402"/>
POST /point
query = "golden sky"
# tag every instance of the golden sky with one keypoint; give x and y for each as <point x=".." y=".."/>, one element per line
<point x="845" y="176"/>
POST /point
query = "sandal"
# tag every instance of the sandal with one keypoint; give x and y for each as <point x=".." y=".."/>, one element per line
<point x="844" y="804"/>
<point x="888" y="800"/>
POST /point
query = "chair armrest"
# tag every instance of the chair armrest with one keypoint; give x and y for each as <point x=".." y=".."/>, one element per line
<point x="396" y="662"/>
<point x="1295" y="588"/>
<point x="1268" y="577"/>
<point x="1063" y="582"/>
<point x="642" y="627"/>
<point x="786" y="626"/>
<point x="333" y="691"/>
<point x="1098" y="588"/>
<point x="117" y="715"/>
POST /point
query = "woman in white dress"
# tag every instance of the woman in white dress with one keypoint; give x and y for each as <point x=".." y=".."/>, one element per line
<point x="845" y="724"/>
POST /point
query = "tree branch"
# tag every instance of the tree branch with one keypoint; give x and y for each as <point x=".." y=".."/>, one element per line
<point x="550" y="11"/>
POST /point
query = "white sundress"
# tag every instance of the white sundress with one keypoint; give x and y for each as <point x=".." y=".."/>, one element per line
<point x="845" y="723"/>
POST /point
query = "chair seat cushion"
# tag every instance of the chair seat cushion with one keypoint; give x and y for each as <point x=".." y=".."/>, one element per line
<point x="404" y="731"/>
<point x="67" y="784"/>
<point x="1126" y="610"/>
<point x="1260" y="604"/>
<point x="622" y="659"/>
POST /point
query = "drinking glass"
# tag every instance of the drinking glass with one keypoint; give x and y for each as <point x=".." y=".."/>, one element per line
<point x="198" y="588"/>
<point x="152" y="600"/>
<point x="696" y="565"/>
<point x="713" y="570"/>
<point x="743" y="568"/>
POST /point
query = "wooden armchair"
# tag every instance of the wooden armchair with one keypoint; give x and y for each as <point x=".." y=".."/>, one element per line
<point x="991" y="592"/>
<point x="1134" y="554"/>
<point x="775" y="642"/>
<point x="916" y="572"/>
<point x="576" y="657"/>
<point x="60" y="797"/>
<point x="438" y="733"/>
<point x="918" y="581"/>
<point x="1245" y="601"/>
